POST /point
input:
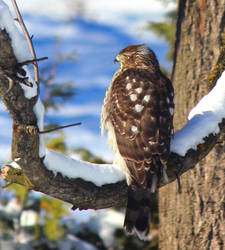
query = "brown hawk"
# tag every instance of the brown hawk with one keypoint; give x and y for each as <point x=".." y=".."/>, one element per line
<point x="137" y="114"/>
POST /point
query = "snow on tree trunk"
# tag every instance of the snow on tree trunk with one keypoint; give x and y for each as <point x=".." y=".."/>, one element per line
<point x="195" y="218"/>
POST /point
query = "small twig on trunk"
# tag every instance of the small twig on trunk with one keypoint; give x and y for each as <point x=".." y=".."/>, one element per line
<point x="27" y="36"/>
<point x="32" y="61"/>
<point x="60" y="127"/>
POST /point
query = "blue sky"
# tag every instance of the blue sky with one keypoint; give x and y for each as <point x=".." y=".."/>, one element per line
<point x="96" y="33"/>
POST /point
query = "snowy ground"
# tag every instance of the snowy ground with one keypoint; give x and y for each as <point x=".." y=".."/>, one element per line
<point x="96" y="31"/>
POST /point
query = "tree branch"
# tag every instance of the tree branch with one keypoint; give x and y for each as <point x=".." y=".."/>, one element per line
<point x="79" y="192"/>
<point x="28" y="39"/>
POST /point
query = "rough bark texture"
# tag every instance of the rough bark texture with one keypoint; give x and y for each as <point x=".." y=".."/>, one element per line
<point x="195" y="219"/>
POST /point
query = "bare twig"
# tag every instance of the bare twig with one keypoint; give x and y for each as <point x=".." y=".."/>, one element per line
<point x="32" y="61"/>
<point x="27" y="36"/>
<point x="60" y="127"/>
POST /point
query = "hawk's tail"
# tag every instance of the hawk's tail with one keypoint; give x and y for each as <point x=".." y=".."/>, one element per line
<point x="138" y="211"/>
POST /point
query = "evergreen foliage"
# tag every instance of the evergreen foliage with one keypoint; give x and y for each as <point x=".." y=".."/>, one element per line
<point x="166" y="29"/>
<point x="53" y="210"/>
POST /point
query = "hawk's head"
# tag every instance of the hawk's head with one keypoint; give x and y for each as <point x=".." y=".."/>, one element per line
<point x="135" y="56"/>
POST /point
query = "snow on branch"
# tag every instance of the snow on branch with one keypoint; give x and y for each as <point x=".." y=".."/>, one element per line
<point x="203" y="119"/>
<point x="18" y="42"/>
<point x="83" y="184"/>
<point x="98" y="174"/>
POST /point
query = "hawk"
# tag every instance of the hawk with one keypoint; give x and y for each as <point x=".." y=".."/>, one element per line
<point x="137" y="114"/>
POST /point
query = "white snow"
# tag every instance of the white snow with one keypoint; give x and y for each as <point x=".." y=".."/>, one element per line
<point x="23" y="238"/>
<point x="13" y="208"/>
<point x="203" y="120"/>
<point x="7" y="244"/>
<point x="18" y="41"/>
<point x="99" y="174"/>
<point x="28" y="218"/>
<point x="29" y="92"/>
<point x="104" y="222"/>
<point x="14" y="164"/>
<point x="39" y="111"/>
<point x="72" y="242"/>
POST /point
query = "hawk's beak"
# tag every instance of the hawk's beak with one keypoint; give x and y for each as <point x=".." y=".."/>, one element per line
<point x="116" y="59"/>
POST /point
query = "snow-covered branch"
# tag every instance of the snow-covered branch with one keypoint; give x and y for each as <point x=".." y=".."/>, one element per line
<point x="83" y="184"/>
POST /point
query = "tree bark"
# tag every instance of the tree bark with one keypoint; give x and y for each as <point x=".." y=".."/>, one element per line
<point x="195" y="219"/>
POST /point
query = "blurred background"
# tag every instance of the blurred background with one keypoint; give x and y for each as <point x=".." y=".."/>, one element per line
<point x="80" y="39"/>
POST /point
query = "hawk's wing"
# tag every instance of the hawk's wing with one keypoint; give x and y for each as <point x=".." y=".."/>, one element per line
<point x="141" y="106"/>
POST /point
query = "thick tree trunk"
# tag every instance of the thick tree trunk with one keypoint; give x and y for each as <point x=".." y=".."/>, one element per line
<point x="195" y="219"/>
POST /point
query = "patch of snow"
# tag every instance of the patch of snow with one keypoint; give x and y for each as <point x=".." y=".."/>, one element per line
<point x="18" y="41"/>
<point x="72" y="242"/>
<point x="13" y="207"/>
<point x="104" y="223"/>
<point x="29" y="92"/>
<point x="28" y="218"/>
<point x="203" y="120"/>
<point x="7" y="244"/>
<point x="75" y="218"/>
<point x="39" y="111"/>
<point x="19" y="46"/>
<point x="14" y="164"/>
<point x="99" y="174"/>
<point x="24" y="238"/>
